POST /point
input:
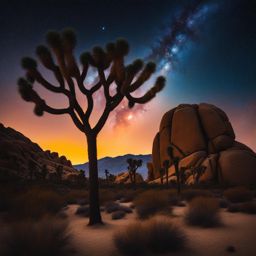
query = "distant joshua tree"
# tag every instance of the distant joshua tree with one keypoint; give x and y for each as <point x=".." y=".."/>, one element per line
<point x="175" y="160"/>
<point x="81" y="175"/>
<point x="162" y="171"/>
<point x="166" y="165"/>
<point x="133" y="165"/>
<point x="111" y="69"/>
<point x="107" y="174"/>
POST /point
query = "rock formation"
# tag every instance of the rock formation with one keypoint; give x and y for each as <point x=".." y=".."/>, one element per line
<point x="203" y="136"/>
<point x="124" y="177"/>
<point x="18" y="154"/>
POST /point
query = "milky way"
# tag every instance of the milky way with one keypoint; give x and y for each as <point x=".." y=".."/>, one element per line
<point x="184" y="29"/>
<point x="168" y="47"/>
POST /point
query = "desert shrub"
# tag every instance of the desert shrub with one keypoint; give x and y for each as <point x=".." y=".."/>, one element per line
<point x="36" y="203"/>
<point x="233" y="208"/>
<point x="118" y="215"/>
<point x="151" y="202"/>
<point x="223" y="203"/>
<point x="125" y="209"/>
<point x="131" y="239"/>
<point x="246" y="207"/>
<point x="127" y="196"/>
<point x="77" y="196"/>
<point x="172" y="195"/>
<point x="190" y="194"/>
<point x="238" y="194"/>
<point x="157" y="235"/>
<point x="203" y="211"/>
<point x="48" y="236"/>
<point x="163" y="236"/>
<point x="112" y="207"/>
<point x="107" y="195"/>
<point x="83" y="211"/>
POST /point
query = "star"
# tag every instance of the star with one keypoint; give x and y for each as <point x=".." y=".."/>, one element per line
<point x="103" y="28"/>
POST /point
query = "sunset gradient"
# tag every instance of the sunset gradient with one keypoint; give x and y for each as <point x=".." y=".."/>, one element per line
<point x="217" y="67"/>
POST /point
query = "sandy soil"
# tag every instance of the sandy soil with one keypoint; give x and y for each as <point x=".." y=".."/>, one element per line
<point x="238" y="230"/>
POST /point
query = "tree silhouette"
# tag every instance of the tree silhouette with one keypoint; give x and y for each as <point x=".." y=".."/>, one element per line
<point x="166" y="165"/>
<point x="111" y="69"/>
<point x="133" y="165"/>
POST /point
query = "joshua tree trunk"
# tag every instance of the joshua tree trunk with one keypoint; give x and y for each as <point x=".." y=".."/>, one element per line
<point x="167" y="176"/>
<point x="95" y="216"/>
<point x="176" y="165"/>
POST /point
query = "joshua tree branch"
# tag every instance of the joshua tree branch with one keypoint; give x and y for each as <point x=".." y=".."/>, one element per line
<point x="96" y="87"/>
<point x="55" y="111"/>
<point x="110" y="106"/>
<point x="77" y="122"/>
<point x="40" y="79"/>
<point x="104" y="82"/>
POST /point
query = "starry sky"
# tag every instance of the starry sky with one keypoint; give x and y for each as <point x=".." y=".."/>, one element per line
<point x="206" y="50"/>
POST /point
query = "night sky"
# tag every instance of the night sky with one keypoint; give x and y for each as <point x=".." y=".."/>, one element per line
<point x="211" y="58"/>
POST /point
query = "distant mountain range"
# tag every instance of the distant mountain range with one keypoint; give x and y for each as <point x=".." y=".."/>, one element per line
<point x="117" y="164"/>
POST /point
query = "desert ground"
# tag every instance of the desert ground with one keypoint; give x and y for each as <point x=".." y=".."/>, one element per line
<point x="238" y="230"/>
<point x="54" y="219"/>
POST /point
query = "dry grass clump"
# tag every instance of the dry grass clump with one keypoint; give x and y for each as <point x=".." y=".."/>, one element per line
<point x="83" y="211"/>
<point x="111" y="207"/>
<point x="190" y="194"/>
<point x="163" y="236"/>
<point x="238" y="194"/>
<point x="131" y="240"/>
<point x="48" y="236"/>
<point x="77" y="196"/>
<point x="151" y="202"/>
<point x="35" y="203"/>
<point x="127" y="196"/>
<point x="203" y="211"/>
<point x="223" y="203"/>
<point x="157" y="235"/>
<point x="246" y="207"/>
<point x="118" y="215"/>
<point x="107" y="195"/>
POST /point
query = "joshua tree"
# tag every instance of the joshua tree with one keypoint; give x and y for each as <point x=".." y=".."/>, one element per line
<point x="132" y="168"/>
<point x="150" y="171"/>
<point x="81" y="175"/>
<point x="183" y="176"/>
<point x="112" y="71"/>
<point x="162" y="171"/>
<point x="175" y="161"/>
<point x="107" y="174"/>
<point x="166" y="165"/>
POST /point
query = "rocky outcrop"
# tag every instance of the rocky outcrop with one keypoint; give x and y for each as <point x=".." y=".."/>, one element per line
<point x="124" y="178"/>
<point x="18" y="154"/>
<point x="203" y="136"/>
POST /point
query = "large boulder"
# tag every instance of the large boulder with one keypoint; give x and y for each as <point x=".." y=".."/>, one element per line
<point x="124" y="178"/>
<point x="203" y="136"/>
